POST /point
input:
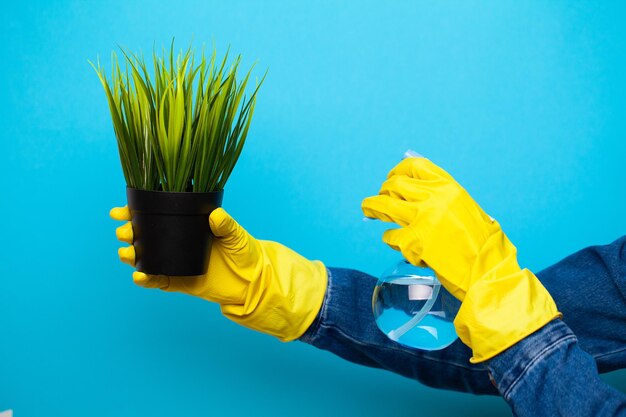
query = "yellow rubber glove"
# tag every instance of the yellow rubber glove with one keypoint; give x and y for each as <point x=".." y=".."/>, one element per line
<point x="444" y="228"/>
<point x="259" y="284"/>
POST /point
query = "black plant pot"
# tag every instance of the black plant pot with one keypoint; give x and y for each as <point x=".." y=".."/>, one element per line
<point x="171" y="232"/>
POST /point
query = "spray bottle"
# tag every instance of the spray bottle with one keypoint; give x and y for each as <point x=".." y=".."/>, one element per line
<point x="412" y="307"/>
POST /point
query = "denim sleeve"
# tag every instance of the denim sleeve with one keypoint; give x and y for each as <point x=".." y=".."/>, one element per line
<point x="588" y="286"/>
<point x="345" y="326"/>
<point x="548" y="374"/>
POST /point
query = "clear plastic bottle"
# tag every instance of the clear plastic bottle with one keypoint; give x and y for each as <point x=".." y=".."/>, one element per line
<point x="412" y="307"/>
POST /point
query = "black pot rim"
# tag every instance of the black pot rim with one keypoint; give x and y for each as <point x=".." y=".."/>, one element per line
<point x="174" y="203"/>
<point x="173" y="192"/>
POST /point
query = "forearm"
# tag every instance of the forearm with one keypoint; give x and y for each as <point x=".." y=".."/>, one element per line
<point x="547" y="374"/>
<point x="345" y="326"/>
<point x="553" y="372"/>
<point x="589" y="288"/>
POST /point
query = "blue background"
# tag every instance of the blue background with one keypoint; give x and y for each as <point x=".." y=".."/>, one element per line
<point x="523" y="102"/>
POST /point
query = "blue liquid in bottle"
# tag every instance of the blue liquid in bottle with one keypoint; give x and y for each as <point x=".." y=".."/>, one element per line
<point x="412" y="307"/>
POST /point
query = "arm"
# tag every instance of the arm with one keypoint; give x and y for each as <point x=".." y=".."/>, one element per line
<point x="345" y="325"/>
<point x="507" y="316"/>
<point x="552" y="372"/>
<point x="259" y="284"/>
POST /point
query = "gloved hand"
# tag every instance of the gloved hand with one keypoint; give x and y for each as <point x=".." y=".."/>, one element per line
<point x="259" y="284"/>
<point x="444" y="228"/>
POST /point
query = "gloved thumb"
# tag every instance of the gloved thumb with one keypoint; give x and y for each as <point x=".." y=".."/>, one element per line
<point x="227" y="230"/>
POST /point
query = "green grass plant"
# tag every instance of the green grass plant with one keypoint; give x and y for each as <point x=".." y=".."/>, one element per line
<point x="180" y="125"/>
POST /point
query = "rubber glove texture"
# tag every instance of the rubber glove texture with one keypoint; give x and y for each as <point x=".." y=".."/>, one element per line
<point x="259" y="284"/>
<point x="444" y="228"/>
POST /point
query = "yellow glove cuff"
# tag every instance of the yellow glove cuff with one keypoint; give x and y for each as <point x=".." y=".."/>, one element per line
<point x="287" y="297"/>
<point x="499" y="312"/>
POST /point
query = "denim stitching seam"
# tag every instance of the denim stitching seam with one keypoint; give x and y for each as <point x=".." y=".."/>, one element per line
<point x="542" y="353"/>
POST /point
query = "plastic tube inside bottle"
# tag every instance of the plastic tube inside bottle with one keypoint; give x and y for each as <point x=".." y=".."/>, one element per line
<point x="401" y="331"/>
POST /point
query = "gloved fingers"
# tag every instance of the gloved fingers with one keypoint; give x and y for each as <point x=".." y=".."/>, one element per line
<point x="393" y="237"/>
<point x="124" y="233"/>
<point x="404" y="188"/>
<point x="388" y="209"/>
<point x="151" y="281"/>
<point x="186" y="284"/>
<point x="396" y="239"/>
<point x="120" y="213"/>
<point x="127" y="255"/>
<point x="230" y="234"/>
<point x="421" y="168"/>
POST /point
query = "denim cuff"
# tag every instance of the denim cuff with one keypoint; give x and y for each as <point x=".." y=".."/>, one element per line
<point x="510" y="367"/>
<point x="312" y="332"/>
